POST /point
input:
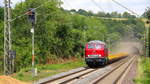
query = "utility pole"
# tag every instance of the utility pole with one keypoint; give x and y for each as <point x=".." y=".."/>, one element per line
<point x="9" y="55"/>
<point x="147" y="37"/>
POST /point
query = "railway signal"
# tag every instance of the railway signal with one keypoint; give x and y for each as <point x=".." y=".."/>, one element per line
<point x="32" y="19"/>
<point x="31" y="15"/>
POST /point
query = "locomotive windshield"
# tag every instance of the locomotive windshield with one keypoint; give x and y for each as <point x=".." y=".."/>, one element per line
<point x="98" y="46"/>
<point x="91" y="46"/>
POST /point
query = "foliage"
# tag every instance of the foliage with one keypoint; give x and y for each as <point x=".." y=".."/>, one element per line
<point x="2" y="13"/>
<point x="143" y="71"/>
<point x="103" y="14"/>
<point x="127" y="15"/>
<point x="1" y="37"/>
<point x="147" y="13"/>
<point x="48" y="70"/>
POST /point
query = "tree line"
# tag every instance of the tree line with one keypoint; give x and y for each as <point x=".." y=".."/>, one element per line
<point x="103" y="14"/>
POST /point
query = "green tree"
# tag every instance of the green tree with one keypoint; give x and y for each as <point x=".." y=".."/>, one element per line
<point x="147" y="13"/>
<point x="2" y="13"/>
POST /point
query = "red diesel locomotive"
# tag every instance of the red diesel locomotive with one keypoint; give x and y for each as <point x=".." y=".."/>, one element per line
<point x="96" y="53"/>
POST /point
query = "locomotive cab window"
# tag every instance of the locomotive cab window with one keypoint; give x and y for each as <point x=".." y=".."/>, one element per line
<point x="98" y="46"/>
<point x="91" y="46"/>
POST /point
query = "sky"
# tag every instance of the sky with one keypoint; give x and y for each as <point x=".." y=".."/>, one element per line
<point x="138" y="6"/>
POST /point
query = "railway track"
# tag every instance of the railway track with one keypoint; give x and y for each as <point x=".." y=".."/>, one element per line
<point x="70" y="77"/>
<point x="116" y="75"/>
<point x="113" y="72"/>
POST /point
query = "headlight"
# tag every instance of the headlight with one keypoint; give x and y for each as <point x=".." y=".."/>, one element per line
<point x="88" y="55"/>
<point x="99" y="55"/>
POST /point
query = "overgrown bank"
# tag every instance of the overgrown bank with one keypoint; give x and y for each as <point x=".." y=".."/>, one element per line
<point x="48" y="70"/>
<point x="143" y="76"/>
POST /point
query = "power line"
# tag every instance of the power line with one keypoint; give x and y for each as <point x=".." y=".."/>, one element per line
<point x="31" y="10"/>
<point x="125" y="7"/>
<point x="110" y="5"/>
<point x="68" y="4"/>
<point x="94" y="2"/>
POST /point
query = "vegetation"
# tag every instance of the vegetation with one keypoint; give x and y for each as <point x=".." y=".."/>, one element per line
<point x="147" y="13"/>
<point x="1" y="37"/>
<point x="143" y="76"/>
<point x="60" y="33"/>
<point x="103" y="14"/>
<point x="48" y="70"/>
<point x="147" y="16"/>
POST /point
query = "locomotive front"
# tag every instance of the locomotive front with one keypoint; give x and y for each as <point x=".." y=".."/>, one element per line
<point x="96" y="53"/>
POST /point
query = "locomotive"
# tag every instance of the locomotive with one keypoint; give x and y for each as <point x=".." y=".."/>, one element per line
<point x="96" y="54"/>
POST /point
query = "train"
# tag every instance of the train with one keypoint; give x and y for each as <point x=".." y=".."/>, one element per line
<point x="96" y="54"/>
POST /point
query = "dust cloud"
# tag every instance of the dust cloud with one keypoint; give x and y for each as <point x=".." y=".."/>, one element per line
<point x="127" y="46"/>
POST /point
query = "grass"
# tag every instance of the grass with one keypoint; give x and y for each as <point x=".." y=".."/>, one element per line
<point x="48" y="70"/>
<point x="143" y="76"/>
<point x="1" y="69"/>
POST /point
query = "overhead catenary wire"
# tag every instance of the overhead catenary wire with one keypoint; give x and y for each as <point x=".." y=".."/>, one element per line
<point x="94" y="2"/>
<point x="110" y="5"/>
<point x="28" y="11"/>
<point x="67" y="3"/>
<point x="125" y="7"/>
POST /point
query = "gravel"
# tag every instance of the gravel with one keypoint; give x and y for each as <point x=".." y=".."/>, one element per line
<point x="93" y="76"/>
<point x="131" y="75"/>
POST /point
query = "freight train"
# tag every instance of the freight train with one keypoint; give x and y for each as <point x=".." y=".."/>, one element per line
<point x="96" y="53"/>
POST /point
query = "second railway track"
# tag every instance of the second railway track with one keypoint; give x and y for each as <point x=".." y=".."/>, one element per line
<point x="115" y="75"/>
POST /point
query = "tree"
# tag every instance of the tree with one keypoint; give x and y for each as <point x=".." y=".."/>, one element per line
<point x="147" y="13"/>
<point x="128" y="15"/>
<point x="114" y="14"/>
<point x="101" y="14"/>
<point x="73" y="10"/>
<point x="108" y="15"/>
<point x="2" y="13"/>
<point x="82" y="12"/>
<point x="1" y="37"/>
